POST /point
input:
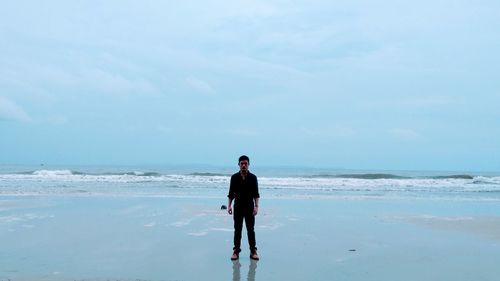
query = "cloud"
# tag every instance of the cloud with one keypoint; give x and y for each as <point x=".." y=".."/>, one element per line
<point x="11" y="111"/>
<point x="247" y="132"/>
<point x="113" y="82"/>
<point x="57" y="120"/>
<point x="164" y="129"/>
<point x="405" y="134"/>
<point x="409" y="102"/>
<point x="337" y="132"/>
<point x="199" y="85"/>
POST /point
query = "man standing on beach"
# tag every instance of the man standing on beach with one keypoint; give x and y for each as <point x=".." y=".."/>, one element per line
<point x="244" y="190"/>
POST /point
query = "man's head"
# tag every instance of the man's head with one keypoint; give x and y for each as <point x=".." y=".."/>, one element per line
<point x="244" y="162"/>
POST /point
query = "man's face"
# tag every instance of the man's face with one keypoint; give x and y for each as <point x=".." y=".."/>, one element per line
<point x="243" y="166"/>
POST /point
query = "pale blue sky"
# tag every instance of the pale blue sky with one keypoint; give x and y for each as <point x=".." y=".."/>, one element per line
<point x="350" y="84"/>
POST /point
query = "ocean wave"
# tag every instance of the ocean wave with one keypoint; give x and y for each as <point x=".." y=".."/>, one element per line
<point x="62" y="173"/>
<point x="51" y="173"/>
<point x="366" y="176"/>
<point x="208" y="174"/>
<point x="361" y="176"/>
<point x="466" y="177"/>
<point x="64" y="179"/>
<point x="139" y="174"/>
<point x="374" y="176"/>
<point x="486" y="180"/>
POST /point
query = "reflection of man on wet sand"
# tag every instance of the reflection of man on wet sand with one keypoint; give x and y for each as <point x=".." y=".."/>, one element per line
<point x="251" y="270"/>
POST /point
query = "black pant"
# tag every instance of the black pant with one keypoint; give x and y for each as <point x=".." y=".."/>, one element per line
<point x="239" y="216"/>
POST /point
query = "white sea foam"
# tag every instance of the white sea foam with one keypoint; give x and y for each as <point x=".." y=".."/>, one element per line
<point x="52" y="173"/>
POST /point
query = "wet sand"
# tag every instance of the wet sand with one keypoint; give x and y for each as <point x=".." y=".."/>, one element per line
<point x="140" y="238"/>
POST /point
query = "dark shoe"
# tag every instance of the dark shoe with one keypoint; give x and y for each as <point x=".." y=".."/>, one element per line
<point x="254" y="255"/>
<point x="235" y="256"/>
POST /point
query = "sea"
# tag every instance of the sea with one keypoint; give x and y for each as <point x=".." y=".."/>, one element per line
<point x="200" y="181"/>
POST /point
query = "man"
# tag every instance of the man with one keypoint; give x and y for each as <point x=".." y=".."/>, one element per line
<point x="244" y="190"/>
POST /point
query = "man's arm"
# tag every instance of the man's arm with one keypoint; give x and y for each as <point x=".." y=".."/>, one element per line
<point x="229" y="208"/>
<point x="230" y="197"/>
<point x="256" y="197"/>
<point x="256" y="207"/>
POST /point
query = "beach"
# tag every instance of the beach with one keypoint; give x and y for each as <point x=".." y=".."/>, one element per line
<point x="165" y="236"/>
<point x="92" y="238"/>
<point x="372" y="127"/>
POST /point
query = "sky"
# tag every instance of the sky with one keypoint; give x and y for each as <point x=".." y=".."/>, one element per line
<point x="400" y="85"/>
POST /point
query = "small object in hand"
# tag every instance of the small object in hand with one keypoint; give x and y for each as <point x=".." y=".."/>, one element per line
<point x="223" y="207"/>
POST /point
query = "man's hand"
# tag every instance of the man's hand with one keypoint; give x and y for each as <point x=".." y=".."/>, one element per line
<point x="255" y="210"/>
<point x="230" y="210"/>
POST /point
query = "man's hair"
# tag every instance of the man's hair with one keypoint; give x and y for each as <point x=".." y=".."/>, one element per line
<point x="242" y="158"/>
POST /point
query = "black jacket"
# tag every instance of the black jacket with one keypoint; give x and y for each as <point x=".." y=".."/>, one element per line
<point x="243" y="191"/>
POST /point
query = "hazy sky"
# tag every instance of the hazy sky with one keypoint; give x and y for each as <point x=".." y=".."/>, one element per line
<point x="344" y="84"/>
